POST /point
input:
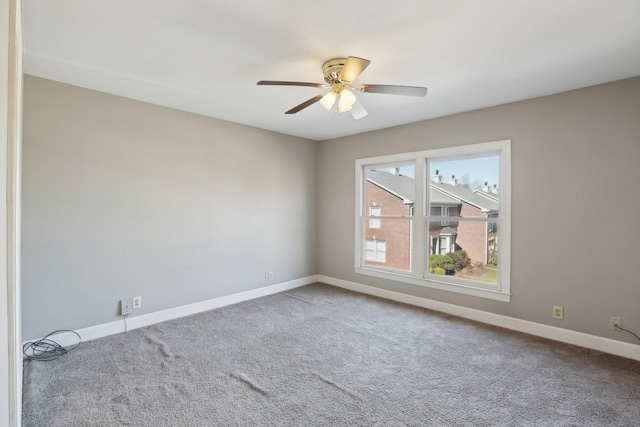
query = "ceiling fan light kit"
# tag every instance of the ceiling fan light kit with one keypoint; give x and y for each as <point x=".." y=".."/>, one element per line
<point x="340" y="73"/>
<point x="329" y="99"/>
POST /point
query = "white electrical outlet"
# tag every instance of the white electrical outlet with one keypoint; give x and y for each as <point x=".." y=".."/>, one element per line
<point x="125" y="306"/>
<point x="615" y="321"/>
<point x="137" y="302"/>
<point x="558" y="312"/>
<point x="271" y="275"/>
<point x="268" y="275"/>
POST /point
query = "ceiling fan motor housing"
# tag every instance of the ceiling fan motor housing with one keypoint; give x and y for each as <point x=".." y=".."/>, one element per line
<point x="332" y="69"/>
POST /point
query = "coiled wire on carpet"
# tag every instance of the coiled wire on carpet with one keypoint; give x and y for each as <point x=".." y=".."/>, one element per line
<point x="46" y="349"/>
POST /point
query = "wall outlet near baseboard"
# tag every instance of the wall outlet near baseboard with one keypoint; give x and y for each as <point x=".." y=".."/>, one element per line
<point x="137" y="302"/>
<point x="615" y="321"/>
<point x="558" y="312"/>
<point x="268" y="275"/>
<point x="125" y="306"/>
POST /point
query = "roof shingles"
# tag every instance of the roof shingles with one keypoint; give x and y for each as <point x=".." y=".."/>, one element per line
<point x="440" y="194"/>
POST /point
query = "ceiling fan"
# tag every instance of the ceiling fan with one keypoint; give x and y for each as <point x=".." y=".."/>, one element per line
<point x="339" y="75"/>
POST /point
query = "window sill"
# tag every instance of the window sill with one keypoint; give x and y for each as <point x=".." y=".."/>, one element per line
<point x="449" y="287"/>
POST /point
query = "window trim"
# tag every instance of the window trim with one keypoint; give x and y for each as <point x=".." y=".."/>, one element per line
<point x="421" y="242"/>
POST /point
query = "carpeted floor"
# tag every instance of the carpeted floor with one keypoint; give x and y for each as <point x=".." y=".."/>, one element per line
<point x="323" y="356"/>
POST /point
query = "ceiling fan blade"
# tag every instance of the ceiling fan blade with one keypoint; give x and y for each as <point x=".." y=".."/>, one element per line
<point x="394" y="90"/>
<point x="353" y="67"/>
<point x="305" y="104"/>
<point x="279" y="83"/>
<point x="357" y="110"/>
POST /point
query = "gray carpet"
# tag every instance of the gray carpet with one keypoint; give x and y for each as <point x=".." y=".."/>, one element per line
<point x="322" y="356"/>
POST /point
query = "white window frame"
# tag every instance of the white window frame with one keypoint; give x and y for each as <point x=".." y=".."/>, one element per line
<point x="420" y="241"/>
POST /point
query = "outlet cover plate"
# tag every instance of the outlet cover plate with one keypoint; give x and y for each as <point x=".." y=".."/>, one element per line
<point x="137" y="302"/>
<point x="558" y="312"/>
<point x="125" y="306"/>
<point x="615" y="321"/>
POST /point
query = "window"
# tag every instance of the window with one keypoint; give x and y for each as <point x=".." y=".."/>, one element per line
<point x="441" y="245"/>
<point x="376" y="250"/>
<point x="492" y="225"/>
<point x="390" y="186"/>
<point x="373" y="222"/>
<point x="451" y="234"/>
<point x="445" y="212"/>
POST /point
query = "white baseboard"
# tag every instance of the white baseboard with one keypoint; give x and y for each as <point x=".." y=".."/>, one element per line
<point x="133" y="322"/>
<point x="619" y="348"/>
<point x="606" y="345"/>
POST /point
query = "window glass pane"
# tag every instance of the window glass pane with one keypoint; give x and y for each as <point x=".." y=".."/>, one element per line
<point x="465" y="249"/>
<point x="390" y="190"/>
<point x="465" y="188"/>
<point x="390" y="245"/>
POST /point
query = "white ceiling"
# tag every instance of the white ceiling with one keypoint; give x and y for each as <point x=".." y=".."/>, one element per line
<point x="206" y="56"/>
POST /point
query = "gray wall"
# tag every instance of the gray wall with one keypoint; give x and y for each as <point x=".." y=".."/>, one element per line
<point x="123" y="198"/>
<point x="575" y="203"/>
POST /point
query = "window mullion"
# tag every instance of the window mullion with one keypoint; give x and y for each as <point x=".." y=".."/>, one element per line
<point x="361" y="194"/>
<point x="418" y="247"/>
